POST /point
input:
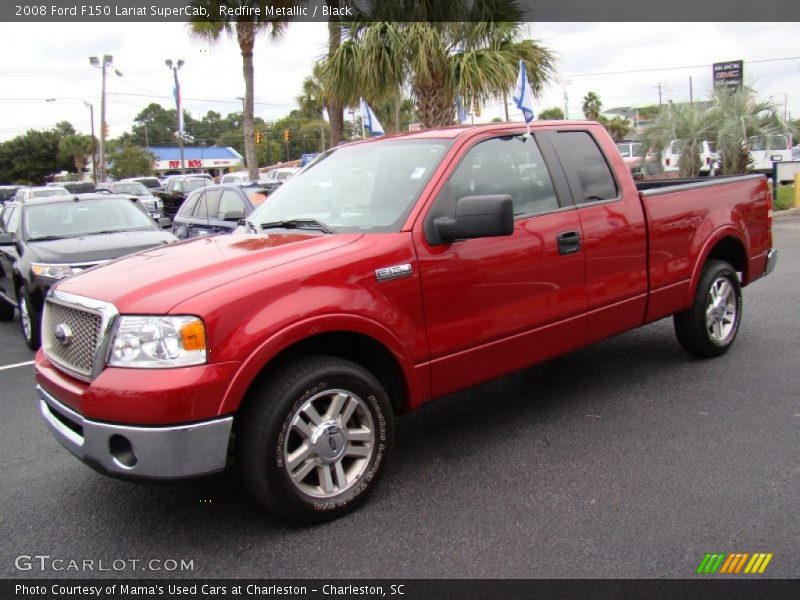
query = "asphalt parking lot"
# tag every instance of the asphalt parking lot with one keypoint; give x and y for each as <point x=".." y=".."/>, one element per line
<point x="625" y="459"/>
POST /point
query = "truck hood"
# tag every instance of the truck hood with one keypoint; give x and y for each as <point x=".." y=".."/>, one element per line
<point x="91" y="248"/>
<point x="155" y="280"/>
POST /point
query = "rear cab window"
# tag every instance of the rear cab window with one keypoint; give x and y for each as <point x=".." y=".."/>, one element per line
<point x="591" y="179"/>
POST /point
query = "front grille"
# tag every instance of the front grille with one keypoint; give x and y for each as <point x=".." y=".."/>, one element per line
<point x="78" y="355"/>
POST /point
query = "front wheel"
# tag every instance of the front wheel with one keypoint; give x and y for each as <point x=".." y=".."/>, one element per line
<point x="29" y="321"/>
<point x="313" y="442"/>
<point x="708" y="328"/>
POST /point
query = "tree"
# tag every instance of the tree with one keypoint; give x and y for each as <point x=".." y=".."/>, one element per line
<point x="592" y="106"/>
<point x="335" y="104"/>
<point x="618" y="127"/>
<point x="245" y="29"/>
<point x="77" y="148"/>
<point x="551" y="114"/>
<point x="690" y="125"/>
<point x="437" y="51"/>
<point x="33" y="157"/>
<point x="737" y="116"/>
<point x="129" y="161"/>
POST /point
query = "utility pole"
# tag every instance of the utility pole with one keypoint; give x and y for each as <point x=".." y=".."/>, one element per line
<point x="691" y="96"/>
<point x="106" y="61"/>
<point x="178" y="103"/>
<point x="659" y="94"/>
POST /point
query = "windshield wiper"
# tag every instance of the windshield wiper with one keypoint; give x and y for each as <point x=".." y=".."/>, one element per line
<point x="297" y="224"/>
<point x="47" y="238"/>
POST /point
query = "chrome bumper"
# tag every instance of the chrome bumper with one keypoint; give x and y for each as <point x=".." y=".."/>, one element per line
<point x="772" y="260"/>
<point x="148" y="452"/>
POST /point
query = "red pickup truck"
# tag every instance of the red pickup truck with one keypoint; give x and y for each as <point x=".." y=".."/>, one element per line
<point x="389" y="272"/>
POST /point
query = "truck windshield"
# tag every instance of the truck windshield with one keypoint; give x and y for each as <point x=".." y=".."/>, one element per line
<point x="363" y="187"/>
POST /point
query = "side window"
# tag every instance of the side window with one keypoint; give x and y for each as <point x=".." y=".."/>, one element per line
<point x="188" y="205"/>
<point x="206" y="206"/>
<point x="4" y="217"/>
<point x="12" y="224"/>
<point x="230" y="202"/>
<point x="507" y="165"/>
<point x="594" y="174"/>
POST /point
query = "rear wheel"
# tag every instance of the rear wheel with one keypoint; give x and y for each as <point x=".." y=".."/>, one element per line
<point x="708" y="328"/>
<point x="313" y="442"/>
<point x="29" y="321"/>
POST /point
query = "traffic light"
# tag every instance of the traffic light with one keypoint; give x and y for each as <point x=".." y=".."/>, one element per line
<point x="259" y="136"/>
<point x="287" y="135"/>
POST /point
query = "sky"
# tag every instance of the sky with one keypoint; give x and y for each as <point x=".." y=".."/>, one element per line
<point x="46" y="75"/>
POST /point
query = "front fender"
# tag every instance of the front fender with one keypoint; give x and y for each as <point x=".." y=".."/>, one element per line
<point x="299" y="331"/>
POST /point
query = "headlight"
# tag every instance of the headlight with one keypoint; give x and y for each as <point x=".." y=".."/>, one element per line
<point x="53" y="271"/>
<point x="158" y="342"/>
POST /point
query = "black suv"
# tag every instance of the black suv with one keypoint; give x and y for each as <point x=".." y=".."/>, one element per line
<point x="47" y="239"/>
<point x="217" y="209"/>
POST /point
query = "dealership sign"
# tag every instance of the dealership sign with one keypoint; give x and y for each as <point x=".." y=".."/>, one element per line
<point x="729" y="74"/>
<point x="196" y="163"/>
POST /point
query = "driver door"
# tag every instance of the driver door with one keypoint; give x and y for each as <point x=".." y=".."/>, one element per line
<point x="496" y="305"/>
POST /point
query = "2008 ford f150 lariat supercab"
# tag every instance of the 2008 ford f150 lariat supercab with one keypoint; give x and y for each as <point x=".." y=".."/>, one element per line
<point x="387" y="273"/>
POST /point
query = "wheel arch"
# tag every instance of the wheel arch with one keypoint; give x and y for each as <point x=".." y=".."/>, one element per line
<point x="725" y="244"/>
<point x="361" y="341"/>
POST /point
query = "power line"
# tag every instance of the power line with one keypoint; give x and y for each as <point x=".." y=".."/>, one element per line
<point x="763" y="60"/>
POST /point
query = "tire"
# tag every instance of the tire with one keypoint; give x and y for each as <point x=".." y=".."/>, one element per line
<point x="297" y="456"/>
<point x="709" y="327"/>
<point x="6" y="311"/>
<point x="30" y="321"/>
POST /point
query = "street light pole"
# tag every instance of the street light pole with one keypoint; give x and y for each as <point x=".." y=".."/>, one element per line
<point x="179" y="115"/>
<point x="90" y="106"/>
<point x="106" y="61"/>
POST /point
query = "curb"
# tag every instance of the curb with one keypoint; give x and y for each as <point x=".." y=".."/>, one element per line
<point x="789" y="212"/>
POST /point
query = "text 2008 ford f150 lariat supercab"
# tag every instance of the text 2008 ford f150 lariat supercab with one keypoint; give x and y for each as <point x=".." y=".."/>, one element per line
<point x="387" y="273"/>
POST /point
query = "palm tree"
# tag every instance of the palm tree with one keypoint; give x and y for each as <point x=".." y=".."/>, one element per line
<point x="551" y="114"/>
<point x="738" y="116"/>
<point x="690" y="125"/>
<point x="76" y="147"/>
<point x="245" y="30"/>
<point x="437" y="53"/>
<point x="618" y="127"/>
<point x="312" y="100"/>
<point x="592" y="106"/>
<point x="335" y="104"/>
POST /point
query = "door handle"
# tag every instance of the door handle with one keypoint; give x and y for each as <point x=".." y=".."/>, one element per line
<point x="569" y="242"/>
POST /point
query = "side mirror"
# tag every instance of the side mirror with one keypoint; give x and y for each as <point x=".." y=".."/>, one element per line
<point x="477" y="217"/>
<point x="233" y="215"/>
<point x="165" y="222"/>
<point x="8" y="239"/>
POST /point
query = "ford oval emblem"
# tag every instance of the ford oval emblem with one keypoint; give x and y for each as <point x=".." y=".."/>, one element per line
<point x="63" y="334"/>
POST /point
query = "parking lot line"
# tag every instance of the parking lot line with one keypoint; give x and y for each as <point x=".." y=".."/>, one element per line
<point x="22" y="364"/>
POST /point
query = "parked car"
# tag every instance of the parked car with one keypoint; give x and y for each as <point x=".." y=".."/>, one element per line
<point x="796" y="152"/>
<point x="7" y="192"/>
<point x="176" y="190"/>
<point x="137" y="190"/>
<point x="28" y="193"/>
<point x="765" y="150"/>
<point x="277" y="177"/>
<point x="217" y="209"/>
<point x="241" y="177"/>
<point x="387" y="273"/>
<point x="672" y="154"/>
<point x="150" y="183"/>
<point x="75" y="187"/>
<point x="44" y="240"/>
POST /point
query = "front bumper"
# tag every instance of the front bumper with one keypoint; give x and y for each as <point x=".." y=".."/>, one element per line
<point x="772" y="260"/>
<point x="139" y="452"/>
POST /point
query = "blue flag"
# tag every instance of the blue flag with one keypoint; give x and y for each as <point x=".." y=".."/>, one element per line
<point x="523" y="95"/>
<point x="369" y="120"/>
